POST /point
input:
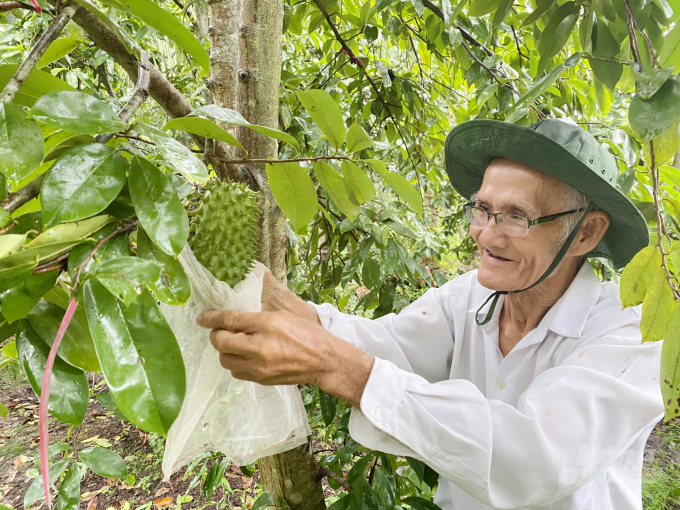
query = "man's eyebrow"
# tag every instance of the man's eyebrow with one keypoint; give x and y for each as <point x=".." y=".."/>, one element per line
<point x="517" y="205"/>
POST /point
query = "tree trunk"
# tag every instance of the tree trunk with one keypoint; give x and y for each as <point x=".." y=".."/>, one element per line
<point x="245" y="42"/>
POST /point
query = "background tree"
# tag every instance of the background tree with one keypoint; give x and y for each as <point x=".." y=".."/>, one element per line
<point x="350" y="103"/>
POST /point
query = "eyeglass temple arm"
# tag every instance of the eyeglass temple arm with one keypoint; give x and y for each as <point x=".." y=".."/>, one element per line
<point x="544" y="219"/>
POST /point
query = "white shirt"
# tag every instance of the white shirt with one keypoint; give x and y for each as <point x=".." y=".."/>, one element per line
<point x="561" y="422"/>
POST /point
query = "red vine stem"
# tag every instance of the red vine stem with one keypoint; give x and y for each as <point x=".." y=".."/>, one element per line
<point x="36" y="6"/>
<point x="45" y="397"/>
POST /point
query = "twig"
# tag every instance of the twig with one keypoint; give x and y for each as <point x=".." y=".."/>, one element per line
<point x="659" y="223"/>
<point x="592" y="57"/>
<point x="632" y="23"/>
<point x="52" y="265"/>
<point x="37" y="51"/>
<point x="104" y="79"/>
<point x="519" y="48"/>
<point x="23" y="195"/>
<point x="345" y="48"/>
<point x="631" y="35"/>
<point x="489" y="70"/>
<point x="324" y="472"/>
<point x="242" y="161"/>
<point x="139" y="95"/>
<point x="8" y="6"/>
<point x="124" y="228"/>
<point x="437" y="11"/>
<point x="8" y="228"/>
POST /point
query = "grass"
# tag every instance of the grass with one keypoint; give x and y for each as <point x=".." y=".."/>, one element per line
<point x="661" y="480"/>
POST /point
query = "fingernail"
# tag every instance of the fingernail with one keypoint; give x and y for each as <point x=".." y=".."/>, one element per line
<point x="199" y="319"/>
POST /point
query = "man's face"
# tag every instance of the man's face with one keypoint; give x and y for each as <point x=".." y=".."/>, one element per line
<point x="511" y="262"/>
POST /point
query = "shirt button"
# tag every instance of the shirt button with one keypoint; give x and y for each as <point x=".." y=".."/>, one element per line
<point x="500" y="384"/>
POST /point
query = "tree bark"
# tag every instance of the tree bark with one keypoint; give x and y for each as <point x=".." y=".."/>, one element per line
<point x="246" y="47"/>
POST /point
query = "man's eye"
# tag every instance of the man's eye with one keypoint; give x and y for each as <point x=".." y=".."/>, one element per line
<point x="517" y="217"/>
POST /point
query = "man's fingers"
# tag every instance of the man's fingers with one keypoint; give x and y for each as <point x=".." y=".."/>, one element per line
<point x="231" y="343"/>
<point x="231" y="320"/>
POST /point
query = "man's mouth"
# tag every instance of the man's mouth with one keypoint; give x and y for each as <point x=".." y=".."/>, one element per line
<point x="489" y="254"/>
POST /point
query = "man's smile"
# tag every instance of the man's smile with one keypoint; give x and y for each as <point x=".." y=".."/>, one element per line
<point x="486" y="253"/>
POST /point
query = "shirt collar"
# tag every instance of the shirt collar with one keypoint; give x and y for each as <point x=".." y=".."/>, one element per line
<point x="568" y="316"/>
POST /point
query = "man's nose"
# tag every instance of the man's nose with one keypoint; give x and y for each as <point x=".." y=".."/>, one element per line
<point x="492" y="236"/>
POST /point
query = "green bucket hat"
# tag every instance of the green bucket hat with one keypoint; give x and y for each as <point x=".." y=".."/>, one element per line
<point x="556" y="148"/>
<point x="564" y="151"/>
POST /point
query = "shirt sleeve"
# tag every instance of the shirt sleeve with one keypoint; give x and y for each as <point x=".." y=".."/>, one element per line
<point x="584" y="412"/>
<point x="426" y="325"/>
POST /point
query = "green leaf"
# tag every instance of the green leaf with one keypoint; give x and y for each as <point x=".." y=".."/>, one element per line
<point x="649" y="81"/>
<point x="656" y="307"/>
<point x="384" y="487"/>
<point x="263" y="502"/>
<point x="177" y="155"/>
<point x="76" y="347"/>
<point x="69" y="389"/>
<point x="558" y="30"/>
<point x="37" y="84"/>
<point x="69" y="491"/>
<point x="11" y="243"/>
<point x="167" y="24"/>
<point x="81" y="183"/>
<point x="328" y="404"/>
<point x="158" y="208"/>
<point x="294" y="192"/>
<point x="21" y="142"/>
<point x="486" y="93"/>
<point x="420" y="503"/>
<point x="235" y="118"/>
<point x="139" y="357"/>
<point x="62" y="146"/>
<point x="370" y="273"/>
<point x="334" y="184"/>
<point x="58" y="49"/>
<point x="637" y="276"/>
<point x="68" y="232"/>
<point x="502" y="12"/>
<point x="482" y="7"/>
<point x="357" y="139"/>
<point x="172" y="286"/>
<point x="605" y="46"/>
<point x="14" y="274"/>
<point x="103" y="462"/>
<point x="106" y="400"/>
<point x="543" y="7"/>
<point x="326" y="113"/>
<point x="651" y="117"/>
<point x="19" y="300"/>
<point x="76" y="112"/>
<point x="670" y="53"/>
<point x="606" y="9"/>
<point x="670" y="366"/>
<point x="36" y="490"/>
<point x="399" y="185"/>
<point x="203" y="127"/>
<point x="665" y="146"/>
<point x="4" y="412"/>
<point x="125" y="277"/>
<point x="544" y="83"/>
<point x="360" y="183"/>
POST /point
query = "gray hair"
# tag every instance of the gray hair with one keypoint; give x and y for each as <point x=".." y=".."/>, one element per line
<point x="572" y="199"/>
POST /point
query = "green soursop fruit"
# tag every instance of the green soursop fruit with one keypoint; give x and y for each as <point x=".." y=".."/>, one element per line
<point x="224" y="230"/>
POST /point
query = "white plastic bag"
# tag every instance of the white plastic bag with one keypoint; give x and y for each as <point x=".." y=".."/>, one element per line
<point x="243" y="420"/>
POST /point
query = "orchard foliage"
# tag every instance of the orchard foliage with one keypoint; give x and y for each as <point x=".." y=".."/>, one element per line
<point x="95" y="181"/>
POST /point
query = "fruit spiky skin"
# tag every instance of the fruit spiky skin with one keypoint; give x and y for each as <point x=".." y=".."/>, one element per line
<point x="225" y="230"/>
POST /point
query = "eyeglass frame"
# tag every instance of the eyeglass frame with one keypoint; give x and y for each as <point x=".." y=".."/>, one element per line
<point x="530" y="222"/>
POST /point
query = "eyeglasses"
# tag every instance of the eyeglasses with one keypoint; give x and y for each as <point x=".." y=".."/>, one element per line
<point x="511" y="224"/>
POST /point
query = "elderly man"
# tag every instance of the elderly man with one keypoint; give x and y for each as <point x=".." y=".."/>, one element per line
<point x="524" y="383"/>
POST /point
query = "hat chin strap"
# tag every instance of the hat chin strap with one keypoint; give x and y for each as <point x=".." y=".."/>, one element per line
<point x="558" y="258"/>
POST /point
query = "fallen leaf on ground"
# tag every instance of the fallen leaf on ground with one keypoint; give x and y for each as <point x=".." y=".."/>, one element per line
<point x="90" y="439"/>
<point x="92" y="504"/>
<point x="162" y="502"/>
<point x="160" y="492"/>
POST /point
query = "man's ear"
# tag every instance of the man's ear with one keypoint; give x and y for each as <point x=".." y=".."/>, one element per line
<point x="592" y="231"/>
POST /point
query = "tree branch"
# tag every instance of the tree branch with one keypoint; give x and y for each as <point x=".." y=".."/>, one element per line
<point x="138" y="96"/>
<point x="659" y="222"/>
<point x="632" y="23"/>
<point x="466" y="35"/>
<point x="37" y="51"/>
<point x="23" y="195"/>
<point x="8" y="6"/>
<point x="273" y="161"/>
<point x="324" y="472"/>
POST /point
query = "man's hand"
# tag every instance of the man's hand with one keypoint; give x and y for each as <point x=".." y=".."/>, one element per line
<point x="274" y="348"/>
<point x="277" y="298"/>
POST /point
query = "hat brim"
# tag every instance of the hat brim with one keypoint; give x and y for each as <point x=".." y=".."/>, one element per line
<point x="471" y="146"/>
